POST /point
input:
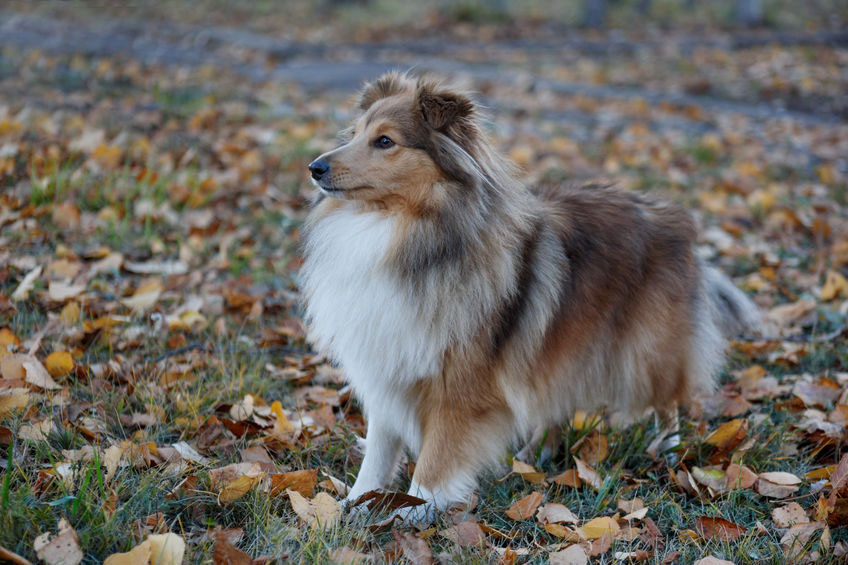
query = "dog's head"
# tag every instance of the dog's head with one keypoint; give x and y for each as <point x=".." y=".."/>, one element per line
<point x="412" y="135"/>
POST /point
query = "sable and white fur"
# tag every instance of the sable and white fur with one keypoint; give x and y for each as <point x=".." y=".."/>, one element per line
<point x="468" y="311"/>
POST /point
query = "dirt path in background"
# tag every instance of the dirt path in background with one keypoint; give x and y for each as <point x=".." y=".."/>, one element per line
<point x="320" y="66"/>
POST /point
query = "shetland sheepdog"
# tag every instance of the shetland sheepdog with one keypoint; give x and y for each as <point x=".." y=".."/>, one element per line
<point x="469" y="312"/>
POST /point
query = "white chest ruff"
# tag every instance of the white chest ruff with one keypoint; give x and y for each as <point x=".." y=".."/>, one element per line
<point x="361" y="314"/>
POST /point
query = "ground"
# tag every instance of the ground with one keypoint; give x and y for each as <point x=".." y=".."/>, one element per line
<point x="155" y="373"/>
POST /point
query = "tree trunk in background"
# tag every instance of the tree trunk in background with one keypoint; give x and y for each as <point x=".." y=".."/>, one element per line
<point x="749" y="12"/>
<point x="594" y="13"/>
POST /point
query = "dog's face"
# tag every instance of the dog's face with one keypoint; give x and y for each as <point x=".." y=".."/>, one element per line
<point x="391" y="152"/>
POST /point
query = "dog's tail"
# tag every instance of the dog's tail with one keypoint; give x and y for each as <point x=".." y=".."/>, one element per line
<point x="731" y="310"/>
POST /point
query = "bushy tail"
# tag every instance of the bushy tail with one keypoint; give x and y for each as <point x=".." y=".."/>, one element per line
<point x="733" y="312"/>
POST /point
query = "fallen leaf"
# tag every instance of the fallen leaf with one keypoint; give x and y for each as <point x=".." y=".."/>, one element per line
<point x="145" y="295"/>
<point x="552" y="513"/>
<point x="571" y="555"/>
<point x="564" y="532"/>
<point x="323" y="511"/>
<point x="835" y="285"/>
<point x="596" y="527"/>
<point x="40" y="431"/>
<point x="778" y="484"/>
<point x="26" y="367"/>
<point x="225" y="553"/>
<point x="527" y="472"/>
<point x="236" y="480"/>
<point x="568" y="478"/>
<point x="60" y="549"/>
<point x="466" y="534"/>
<point x="588" y="474"/>
<point x="593" y="448"/>
<point x="789" y="515"/>
<point x="60" y="291"/>
<point x="526" y="507"/>
<point x="348" y="556"/>
<point x="139" y="555"/>
<point x="724" y="530"/>
<point x="59" y="363"/>
<point x="414" y="548"/>
<point x="26" y="284"/>
<point x="712" y="560"/>
<point x="301" y="481"/>
<point x="739" y="477"/>
<point x="728" y="435"/>
<point x="13" y="399"/>
<point x="12" y="557"/>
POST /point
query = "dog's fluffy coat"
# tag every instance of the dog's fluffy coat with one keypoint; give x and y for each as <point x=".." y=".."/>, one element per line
<point x="468" y="312"/>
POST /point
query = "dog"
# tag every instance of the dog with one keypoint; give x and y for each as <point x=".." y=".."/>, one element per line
<point x="469" y="312"/>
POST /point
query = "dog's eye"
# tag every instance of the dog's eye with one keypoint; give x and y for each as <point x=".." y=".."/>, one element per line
<point x="383" y="142"/>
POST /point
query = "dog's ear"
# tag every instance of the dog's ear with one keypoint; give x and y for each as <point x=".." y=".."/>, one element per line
<point x="387" y="85"/>
<point x="441" y="108"/>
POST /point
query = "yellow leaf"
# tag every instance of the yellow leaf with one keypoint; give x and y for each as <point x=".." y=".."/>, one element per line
<point x="7" y="338"/>
<point x="282" y="426"/>
<point x="834" y="285"/>
<point x="70" y="313"/>
<point x="728" y="435"/>
<point x="59" y="363"/>
<point x="597" y="527"/>
<point x="13" y="399"/>
<point x="157" y="549"/>
<point x="166" y="549"/>
<point x="528" y="472"/>
<point x="139" y="555"/>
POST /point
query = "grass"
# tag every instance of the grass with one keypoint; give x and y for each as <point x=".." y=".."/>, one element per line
<point x="237" y="230"/>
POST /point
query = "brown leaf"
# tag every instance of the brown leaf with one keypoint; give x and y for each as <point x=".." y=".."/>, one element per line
<point x="569" y="478"/>
<point x="739" y="477"/>
<point x="592" y="448"/>
<point x="301" y="481"/>
<point x="12" y="557"/>
<point x="226" y="553"/>
<point x="414" y="548"/>
<point x="61" y="549"/>
<point x="588" y="474"/>
<point x="466" y="534"/>
<point x="720" y="528"/>
<point x="526" y="507"/>
<point x="387" y="500"/>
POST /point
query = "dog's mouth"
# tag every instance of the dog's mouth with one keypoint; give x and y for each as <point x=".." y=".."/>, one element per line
<point x="338" y="190"/>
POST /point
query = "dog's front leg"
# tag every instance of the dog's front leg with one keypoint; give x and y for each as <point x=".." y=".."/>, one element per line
<point x="382" y="455"/>
<point x="455" y="448"/>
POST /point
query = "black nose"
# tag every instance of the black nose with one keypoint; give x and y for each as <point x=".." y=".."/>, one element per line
<point x="319" y="168"/>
